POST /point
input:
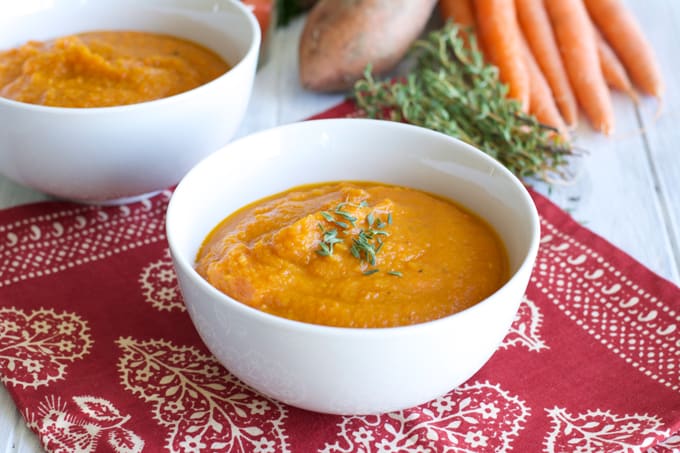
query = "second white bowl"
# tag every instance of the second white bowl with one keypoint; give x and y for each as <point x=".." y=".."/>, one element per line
<point x="112" y="153"/>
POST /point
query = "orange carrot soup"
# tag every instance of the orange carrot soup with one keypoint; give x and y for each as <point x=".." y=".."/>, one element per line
<point x="106" y="68"/>
<point x="355" y="255"/>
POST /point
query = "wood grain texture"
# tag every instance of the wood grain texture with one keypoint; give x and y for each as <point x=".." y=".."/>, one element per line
<point x="12" y="194"/>
<point x="625" y="189"/>
<point x="614" y="192"/>
<point x="661" y="21"/>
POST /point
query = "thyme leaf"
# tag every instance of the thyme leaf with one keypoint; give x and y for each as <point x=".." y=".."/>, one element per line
<point x="365" y="245"/>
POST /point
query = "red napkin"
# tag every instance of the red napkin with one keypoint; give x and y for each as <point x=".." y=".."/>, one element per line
<point x="99" y="354"/>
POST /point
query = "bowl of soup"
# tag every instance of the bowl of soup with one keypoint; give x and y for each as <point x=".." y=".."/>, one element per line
<point x="108" y="101"/>
<point x="352" y="266"/>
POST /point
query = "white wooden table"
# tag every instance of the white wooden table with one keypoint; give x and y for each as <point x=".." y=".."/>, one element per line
<point x="627" y="189"/>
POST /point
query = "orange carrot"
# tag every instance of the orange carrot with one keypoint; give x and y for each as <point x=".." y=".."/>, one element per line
<point x="578" y="47"/>
<point x="623" y="33"/>
<point x="612" y="69"/>
<point x="500" y="37"/>
<point x="536" y="27"/>
<point x="263" y="11"/>
<point x="542" y="103"/>
<point x="461" y="12"/>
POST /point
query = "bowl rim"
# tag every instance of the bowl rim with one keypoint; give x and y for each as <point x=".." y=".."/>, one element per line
<point x="251" y="52"/>
<point x="286" y="324"/>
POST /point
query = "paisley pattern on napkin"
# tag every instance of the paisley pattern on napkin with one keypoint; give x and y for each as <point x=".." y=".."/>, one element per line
<point x="160" y="287"/>
<point x="475" y="417"/>
<point x="601" y="431"/>
<point x="43" y="244"/>
<point x="526" y="328"/>
<point x="99" y="354"/>
<point x="36" y="347"/>
<point x="201" y="405"/>
<point x="670" y="445"/>
<point x="639" y="327"/>
<point x="95" y="421"/>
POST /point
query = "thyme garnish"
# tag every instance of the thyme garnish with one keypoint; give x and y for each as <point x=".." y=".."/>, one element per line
<point x="345" y="215"/>
<point x="342" y="225"/>
<point x="324" y="249"/>
<point x="365" y="244"/>
<point x="328" y="239"/>
<point x="380" y="244"/>
<point x="363" y="248"/>
<point x="452" y="90"/>
<point x="370" y="219"/>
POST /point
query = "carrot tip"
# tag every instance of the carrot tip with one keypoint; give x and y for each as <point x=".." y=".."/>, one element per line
<point x="659" y="109"/>
<point x="572" y="126"/>
<point x="634" y="96"/>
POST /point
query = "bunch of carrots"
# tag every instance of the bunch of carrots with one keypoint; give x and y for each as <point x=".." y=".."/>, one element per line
<point x="557" y="55"/>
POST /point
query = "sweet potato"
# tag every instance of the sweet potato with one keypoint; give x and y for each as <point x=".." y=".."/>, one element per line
<point x="341" y="37"/>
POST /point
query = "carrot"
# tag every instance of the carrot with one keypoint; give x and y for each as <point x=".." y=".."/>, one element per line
<point x="500" y="37"/>
<point x="536" y="27"/>
<point x="623" y="33"/>
<point x="461" y="12"/>
<point x="542" y="103"/>
<point x="263" y="10"/>
<point x="612" y="69"/>
<point x="578" y="47"/>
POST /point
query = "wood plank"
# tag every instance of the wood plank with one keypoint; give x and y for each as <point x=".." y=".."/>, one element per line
<point x="661" y="21"/>
<point x="26" y="441"/>
<point x="260" y="114"/>
<point x="12" y="194"/>
<point x="613" y="193"/>
<point x="8" y="420"/>
<point x="15" y="436"/>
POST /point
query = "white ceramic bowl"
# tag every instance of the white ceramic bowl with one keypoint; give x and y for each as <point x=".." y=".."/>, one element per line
<point x="112" y="153"/>
<point x="349" y="370"/>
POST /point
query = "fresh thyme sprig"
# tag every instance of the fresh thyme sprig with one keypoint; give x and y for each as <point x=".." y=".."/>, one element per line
<point x="367" y="242"/>
<point x="328" y="239"/>
<point x="452" y="90"/>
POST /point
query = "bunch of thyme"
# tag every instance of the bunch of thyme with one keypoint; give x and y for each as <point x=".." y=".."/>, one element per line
<point x="452" y="90"/>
